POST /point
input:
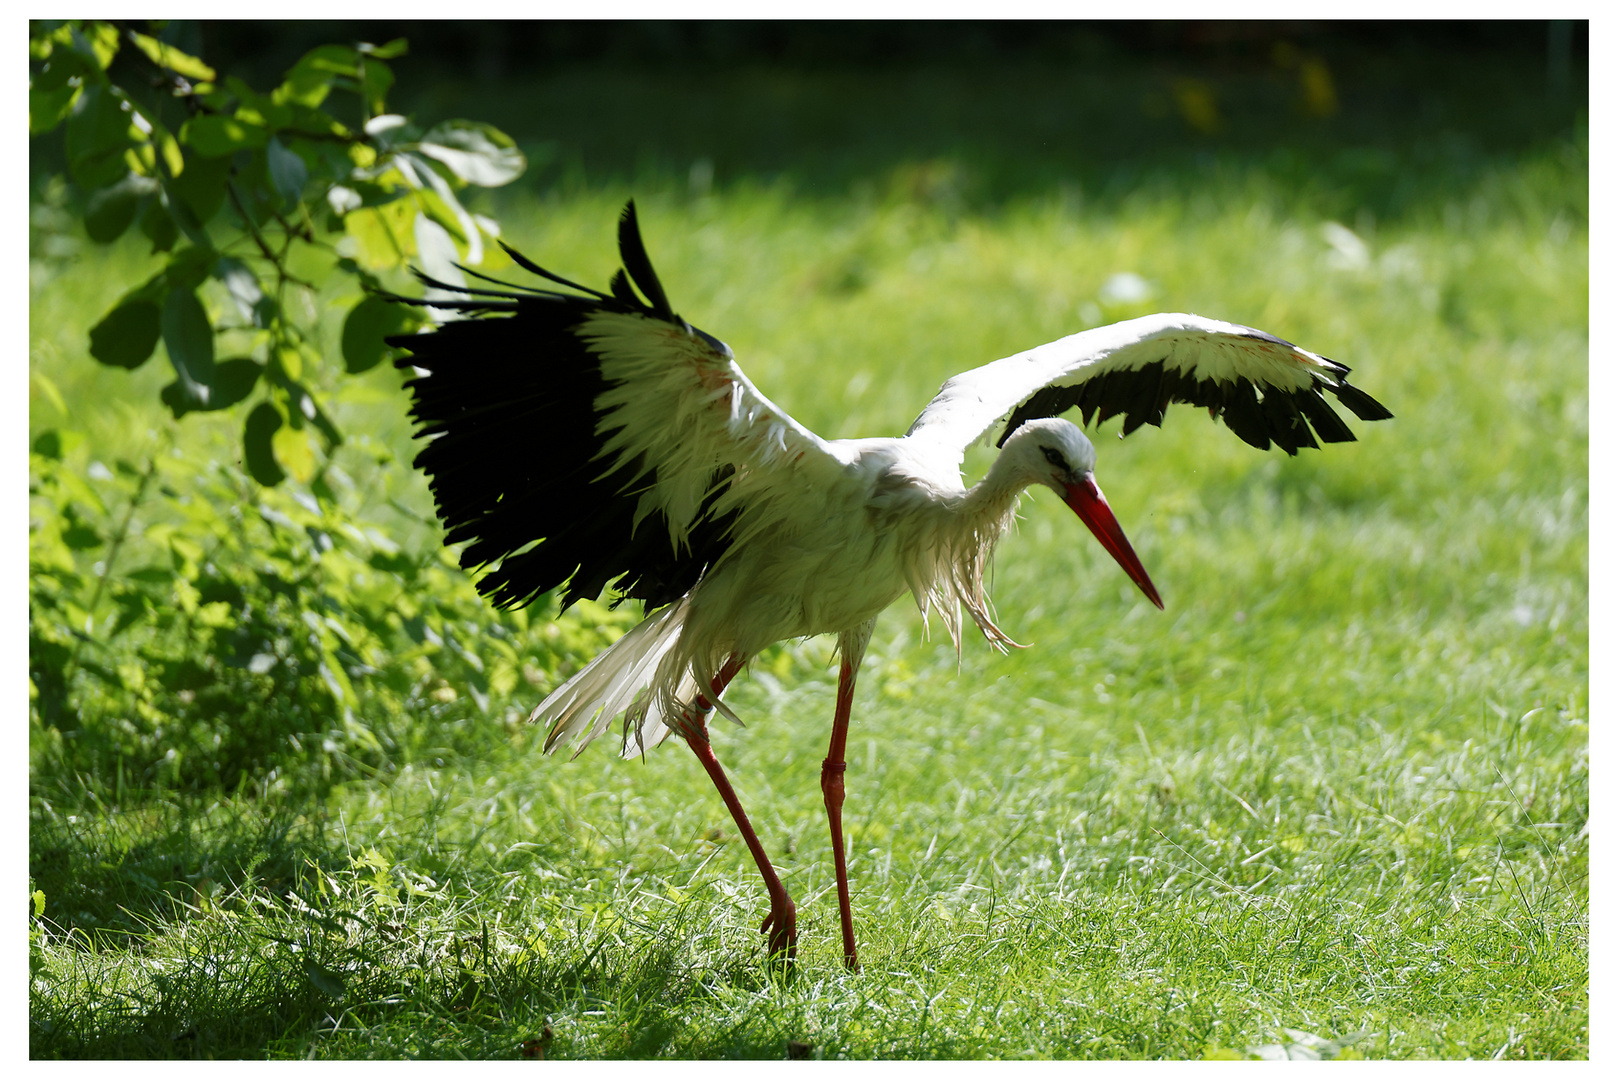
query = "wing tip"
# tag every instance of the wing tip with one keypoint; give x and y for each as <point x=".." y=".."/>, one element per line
<point x="632" y="250"/>
<point x="1360" y="403"/>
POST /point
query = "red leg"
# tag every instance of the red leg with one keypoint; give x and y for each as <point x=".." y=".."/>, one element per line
<point x="782" y="922"/>
<point x="832" y="769"/>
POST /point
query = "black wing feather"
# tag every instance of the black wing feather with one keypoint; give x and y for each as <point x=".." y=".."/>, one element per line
<point x="533" y="268"/>
<point x="1243" y="416"/>
<point x="508" y="403"/>
<point x="1360" y="403"/>
<point x="1328" y="425"/>
<point x="639" y="264"/>
<point x="1258" y="415"/>
<point x="622" y="292"/>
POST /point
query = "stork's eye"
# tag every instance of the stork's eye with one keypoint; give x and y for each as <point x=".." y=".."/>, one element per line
<point x="1054" y="457"/>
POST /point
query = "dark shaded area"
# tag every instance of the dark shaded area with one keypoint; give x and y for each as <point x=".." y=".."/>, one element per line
<point x="494" y="49"/>
<point x="116" y="874"/>
<point x="1338" y="118"/>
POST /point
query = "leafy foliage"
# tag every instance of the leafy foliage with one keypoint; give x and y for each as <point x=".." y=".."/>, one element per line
<point x="227" y="634"/>
<point x="190" y="629"/>
<point x="155" y="136"/>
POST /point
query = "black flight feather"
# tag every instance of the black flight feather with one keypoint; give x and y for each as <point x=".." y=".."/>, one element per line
<point x="513" y="458"/>
<point x="633" y="252"/>
<point x="1360" y="403"/>
<point x="1143" y="394"/>
<point x="523" y="261"/>
<point x="622" y="291"/>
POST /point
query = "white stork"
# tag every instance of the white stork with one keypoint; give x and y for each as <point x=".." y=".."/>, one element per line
<point x="581" y="439"/>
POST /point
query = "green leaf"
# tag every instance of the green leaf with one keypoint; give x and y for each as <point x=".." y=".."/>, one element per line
<point x="295" y="451"/>
<point x="112" y="209"/>
<point x="39" y="902"/>
<point x="233" y="380"/>
<point x="131" y="607"/>
<point x="47" y="108"/>
<point x="97" y="135"/>
<point x="96" y="42"/>
<point x="81" y="537"/>
<point x="397" y="563"/>
<point x="166" y="146"/>
<point x="441" y="206"/>
<point x="167" y="56"/>
<point x="376" y="82"/>
<point x="383" y="236"/>
<point x="287" y="365"/>
<point x="188" y="268"/>
<point x="251" y="183"/>
<point x="325" y="130"/>
<point x="395" y="48"/>
<point x="287" y="171"/>
<point x="62" y="65"/>
<point x="256" y="108"/>
<point x="476" y="153"/>
<point x="216" y="135"/>
<point x="56" y="444"/>
<point x="311" y="77"/>
<point x="158" y="226"/>
<point x="330" y="60"/>
<point x="202" y="185"/>
<point x="374" y="194"/>
<point x="262" y="424"/>
<point x="188" y="336"/>
<point x="126" y="335"/>
<point x="372" y="320"/>
<point x="42" y="39"/>
<point x="302" y="403"/>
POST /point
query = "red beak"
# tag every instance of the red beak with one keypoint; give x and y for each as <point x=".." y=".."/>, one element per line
<point x="1087" y="501"/>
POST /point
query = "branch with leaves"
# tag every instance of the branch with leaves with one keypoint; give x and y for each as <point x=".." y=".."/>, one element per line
<point x="235" y="187"/>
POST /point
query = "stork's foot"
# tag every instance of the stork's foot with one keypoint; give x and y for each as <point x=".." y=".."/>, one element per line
<point x="781" y="924"/>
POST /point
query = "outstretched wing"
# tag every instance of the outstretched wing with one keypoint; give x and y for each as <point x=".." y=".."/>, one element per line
<point x="1266" y="389"/>
<point x="581" y="437"/>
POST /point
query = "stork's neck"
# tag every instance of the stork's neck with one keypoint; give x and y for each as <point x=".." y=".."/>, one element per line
<point x="945" y="571"/>
<point x="988" y="504"/>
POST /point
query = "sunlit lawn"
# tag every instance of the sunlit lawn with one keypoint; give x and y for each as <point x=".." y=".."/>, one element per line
<point x="1339" y="786"/>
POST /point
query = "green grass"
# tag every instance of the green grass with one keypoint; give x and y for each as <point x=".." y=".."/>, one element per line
<point x="1340" y="786"/>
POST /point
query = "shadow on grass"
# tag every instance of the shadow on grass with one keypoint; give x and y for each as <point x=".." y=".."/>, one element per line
<point x="117" y="871"/>
<point x="344" y="980"/>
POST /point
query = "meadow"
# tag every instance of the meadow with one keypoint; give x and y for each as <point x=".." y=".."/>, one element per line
<point x="1332" y="801"/>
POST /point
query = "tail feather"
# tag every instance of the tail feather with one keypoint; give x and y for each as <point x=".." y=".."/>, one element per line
<point x="654" y="716"/>
<point x="643" y="676"/>
<point x="618" y="679"/>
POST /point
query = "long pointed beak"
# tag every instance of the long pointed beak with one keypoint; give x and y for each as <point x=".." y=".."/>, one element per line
<point x="1087" y="501"/>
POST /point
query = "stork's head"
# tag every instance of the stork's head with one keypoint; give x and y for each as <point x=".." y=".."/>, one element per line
<point x="1054" y="452"/>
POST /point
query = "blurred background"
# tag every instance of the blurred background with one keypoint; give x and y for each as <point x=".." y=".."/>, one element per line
<point x="1345" y="116"/>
